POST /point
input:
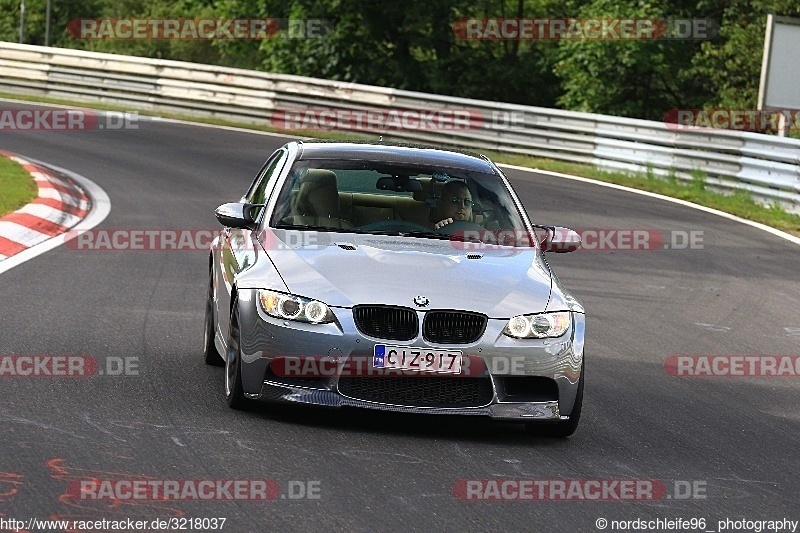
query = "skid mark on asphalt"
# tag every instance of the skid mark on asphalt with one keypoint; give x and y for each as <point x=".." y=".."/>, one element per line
<point x="712" y="327"/>
<point x="24" y="421"/>
<point x="382" y="457"/>
<point x="792" y="332"/>
<point x="111" y="432"/>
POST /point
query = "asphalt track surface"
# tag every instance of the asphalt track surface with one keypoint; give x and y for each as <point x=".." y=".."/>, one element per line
<point x="735" y="438"/>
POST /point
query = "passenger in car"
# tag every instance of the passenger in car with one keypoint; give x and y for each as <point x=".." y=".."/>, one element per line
<point x="455" y="203"/>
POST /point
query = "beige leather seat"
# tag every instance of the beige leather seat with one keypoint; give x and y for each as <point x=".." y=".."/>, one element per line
<point x="317" y="201"/>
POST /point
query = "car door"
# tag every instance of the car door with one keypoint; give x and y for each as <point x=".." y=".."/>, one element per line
<point x="237" y="246"/>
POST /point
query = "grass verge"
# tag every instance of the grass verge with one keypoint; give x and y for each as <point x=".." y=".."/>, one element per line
<point x="17" y="187"/>
<point x="740" y="203"/>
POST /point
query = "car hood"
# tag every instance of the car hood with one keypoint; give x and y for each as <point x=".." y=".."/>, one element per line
<point x="350" y="269"/>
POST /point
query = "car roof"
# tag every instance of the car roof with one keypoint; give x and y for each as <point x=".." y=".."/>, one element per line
<point x="394" y="152"/>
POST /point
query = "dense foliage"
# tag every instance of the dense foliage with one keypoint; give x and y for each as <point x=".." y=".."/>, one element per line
<point x="413" y="45"/>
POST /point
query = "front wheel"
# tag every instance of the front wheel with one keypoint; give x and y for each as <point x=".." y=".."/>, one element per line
<point x="234" y="392"/>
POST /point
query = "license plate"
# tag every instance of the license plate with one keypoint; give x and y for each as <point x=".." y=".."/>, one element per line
<point x="421" y="359"/>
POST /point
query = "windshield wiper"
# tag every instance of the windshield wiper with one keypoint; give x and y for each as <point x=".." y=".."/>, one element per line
<point x="434" y="235"/>
<point x="458" y="236"/>
<point x="310" y="227"/>
<point x="377" y="232"/>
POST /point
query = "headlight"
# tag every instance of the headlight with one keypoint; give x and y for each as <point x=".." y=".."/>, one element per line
<point x="291" y="307"/>
<point x="538" y="326"/>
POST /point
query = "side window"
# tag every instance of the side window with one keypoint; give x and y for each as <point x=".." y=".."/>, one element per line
<point x="258" y="191"/>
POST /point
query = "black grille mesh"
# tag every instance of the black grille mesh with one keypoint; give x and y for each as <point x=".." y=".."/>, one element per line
<point x="453" y="327"/>
<point x="421" y="391"/>
<point x="384" y="322"/>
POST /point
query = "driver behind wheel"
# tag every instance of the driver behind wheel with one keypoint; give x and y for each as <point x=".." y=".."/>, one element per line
<point x="455" y="203"/>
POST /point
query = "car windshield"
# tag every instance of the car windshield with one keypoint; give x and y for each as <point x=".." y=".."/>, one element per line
<point x="398" y="199"/>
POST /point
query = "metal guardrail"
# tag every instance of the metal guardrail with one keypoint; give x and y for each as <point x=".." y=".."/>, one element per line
<point x="766" y="166"/>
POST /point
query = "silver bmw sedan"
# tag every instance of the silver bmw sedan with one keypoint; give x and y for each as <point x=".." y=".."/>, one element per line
<point x="393" y="277"/>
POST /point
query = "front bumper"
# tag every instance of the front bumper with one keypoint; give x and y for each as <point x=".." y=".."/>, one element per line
<point x="278" y="392"/>
<point x="265" y="340"/>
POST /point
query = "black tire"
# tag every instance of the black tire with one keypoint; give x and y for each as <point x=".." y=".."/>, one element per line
<point x="234" y="392"/>
<point x="563" y="428"/>
<point x="210" y="352"/>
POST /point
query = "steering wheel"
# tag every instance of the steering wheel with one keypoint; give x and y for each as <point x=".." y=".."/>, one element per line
<point x="459" y="225"/>
<point x="393" y="225"/>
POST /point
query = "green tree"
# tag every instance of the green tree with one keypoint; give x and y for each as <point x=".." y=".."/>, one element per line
<point x="730" y="67"/>
<point x="407" y="45"/>
<point x="413" y="45"/>
<point x="61" y="11"/>
<point x="634" y="78"/>
<point x="198" y="50"/>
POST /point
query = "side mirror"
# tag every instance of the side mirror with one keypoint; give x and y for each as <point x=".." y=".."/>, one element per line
<point x="559" y="239"/>
<point x="237" y="215"/>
